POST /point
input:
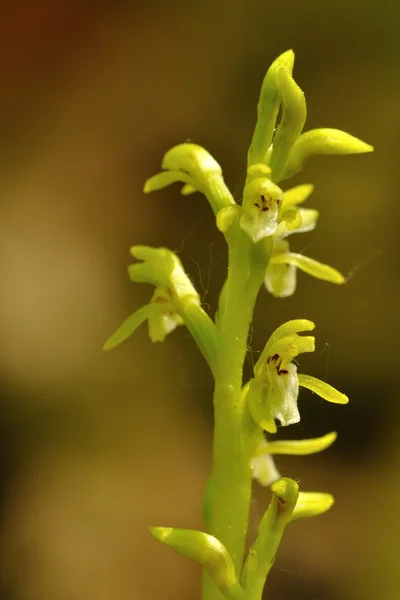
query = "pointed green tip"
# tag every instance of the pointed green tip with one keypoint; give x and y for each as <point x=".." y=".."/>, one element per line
<point x="160" y="533"/>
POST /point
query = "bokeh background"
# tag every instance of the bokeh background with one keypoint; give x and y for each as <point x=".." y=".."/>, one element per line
<point x="96" y="447"/>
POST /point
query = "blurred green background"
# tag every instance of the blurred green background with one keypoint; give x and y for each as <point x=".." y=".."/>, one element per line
<point x="96" y="447"/>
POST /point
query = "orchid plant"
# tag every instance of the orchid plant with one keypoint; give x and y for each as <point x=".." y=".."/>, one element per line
<point x="245" y="413"/>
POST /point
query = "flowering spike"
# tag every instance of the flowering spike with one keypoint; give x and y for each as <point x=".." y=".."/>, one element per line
<point x="309" y="265"/>
<point x="321" y="141"/>
<point x="311" y="504"/>
<point x="209" y="552"/>
<point x="324" y="390"/>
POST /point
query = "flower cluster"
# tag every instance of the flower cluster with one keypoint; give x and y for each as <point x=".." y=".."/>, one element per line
<point x="257" y="231"/>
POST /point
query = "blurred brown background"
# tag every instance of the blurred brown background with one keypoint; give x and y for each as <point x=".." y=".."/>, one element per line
<point x="96" y="447"/>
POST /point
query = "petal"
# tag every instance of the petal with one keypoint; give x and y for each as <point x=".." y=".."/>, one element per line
<point x="301" y="447"/>
<point x="264" y="470"/>
<point x="282" y="396"/>
<point x="296" y="195"/>
<point x="291" y="346"/>
<point x="188" y="189"/>
<point x="260" y="208"/>
<point x="285" y="330"/>
<point x="291" y="220"/>
<point x="280" y="280"/>
<point x="326" y="391"/>
<point x="309" y="218"/>
<point x="310" y="266"/>
<point x="162" y="180"/>
<point x="321" y="141"/>
<point x="311" y="504"/>
<point x="163" y="323"/>
<point x="258" y="224"/>
<point x="129" y="326"/>
<point x="260" y="407"/>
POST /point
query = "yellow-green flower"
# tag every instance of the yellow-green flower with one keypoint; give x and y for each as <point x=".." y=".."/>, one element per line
<point x="280" y="279"/>
<point x="273" y="392"/>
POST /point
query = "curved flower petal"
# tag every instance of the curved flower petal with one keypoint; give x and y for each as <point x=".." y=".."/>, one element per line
<point x="324" y="390"/>
<point x="162" y="180"/>
<point x="284" y="330"/>
<point x="296" y="195"/>
<point x="129" y="326"/>
<point x="301" y="447"/>
<point x="311" y="504"/>
<point x="310" y="266"/>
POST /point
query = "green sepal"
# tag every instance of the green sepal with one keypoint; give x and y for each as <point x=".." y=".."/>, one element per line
<point x="206" y="550"/>
<point x="129" y="326"/>
<point x="309" y="266"/>
<point x="311" y="504"/>
<point x="323" y="389"/>
<point x="321" y="141"/>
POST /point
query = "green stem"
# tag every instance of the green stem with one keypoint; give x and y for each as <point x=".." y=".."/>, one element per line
<point x="231" y="472"/>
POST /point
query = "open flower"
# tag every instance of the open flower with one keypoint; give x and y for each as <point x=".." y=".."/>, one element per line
<point x="280" y="279"/>
<point x="261" y="204"/>
<point x="174" y="291"/>
<point x="174" y="302"/>
<point x="198" y="170"/>
<point x="273" y="392"/>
